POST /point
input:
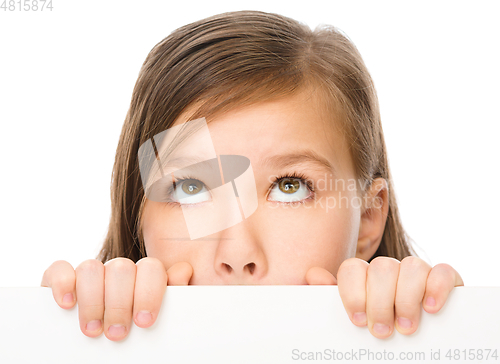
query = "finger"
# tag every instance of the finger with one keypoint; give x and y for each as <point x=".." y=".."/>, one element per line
<point x="351" y="278"/>
<point x="320" y="276"/>
<point x="60" y="276"/>
<point x="413" y="273"/>
<point x="179" y="274"/>
<point x="381" y="281"/>
<point x="150" y="285"/>
<point x="441" y="280"/>
<point x="119" y="280"/>
<point x="90" y="291"/>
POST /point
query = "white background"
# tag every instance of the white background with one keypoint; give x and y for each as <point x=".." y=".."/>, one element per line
<point x="66" y="80"/>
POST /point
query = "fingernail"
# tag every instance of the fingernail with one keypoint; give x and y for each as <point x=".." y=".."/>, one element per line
<point x="359" y="317"/>
<point x="144" y="317"/>
<point x="93" y="325"/>
<point x="404" y="323"/>
<point x="68" y="298"/>
<point x="116" y="330"/>
<point x="381" y="329"/>
<point x="430" y="301"/>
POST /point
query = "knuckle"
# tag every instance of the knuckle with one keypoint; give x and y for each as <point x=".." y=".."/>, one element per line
<point x="352" y="264"/>
<point x="150" y="262"/>
<point x="405" y="306"/>
<point x="63" y="280"/>
<point x="120" y="264"/>
<point x="354" y="304"/>
<point x="438" y="285"/>
<point x="92" y="307"/>
<point x="444" y="269"/>
<point x="441" y="277"/>
<point x="413" y="263"/>
<point x="384" y="264"/>
<point x="146" y="298"/>
<point x="120" y="310"/>
<point x="381" y="311"/>
<point x="89" y="265"/>
<point x="59" y="264"/>
<point x="51" y="274"/>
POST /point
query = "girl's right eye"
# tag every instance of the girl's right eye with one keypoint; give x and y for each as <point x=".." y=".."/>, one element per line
<point x="191" y="190"/>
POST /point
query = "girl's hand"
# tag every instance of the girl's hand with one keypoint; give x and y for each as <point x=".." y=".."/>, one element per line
<point x="387" y="293"/>
<point x="114" y="292"/>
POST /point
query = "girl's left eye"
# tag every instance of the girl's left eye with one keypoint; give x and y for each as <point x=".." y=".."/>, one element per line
<point x="290" y="189"/>
<point x="287" y="189"/>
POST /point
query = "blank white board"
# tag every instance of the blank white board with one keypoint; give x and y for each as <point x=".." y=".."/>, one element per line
<point x="250" y="324"/>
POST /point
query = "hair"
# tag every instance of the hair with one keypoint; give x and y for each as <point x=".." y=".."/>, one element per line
<point x="236" y="59"/>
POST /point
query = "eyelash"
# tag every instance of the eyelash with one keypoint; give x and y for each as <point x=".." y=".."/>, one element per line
<point x="295" y="175"/>
<point x="300" y="176"/>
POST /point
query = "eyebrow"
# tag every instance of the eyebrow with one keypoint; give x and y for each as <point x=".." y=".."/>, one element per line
<point x="306" y="156"/>
<point x="278" y="161"/>
<point x="191" y="164"/>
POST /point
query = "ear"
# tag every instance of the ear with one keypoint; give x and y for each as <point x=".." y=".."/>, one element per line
<point x="373" y="217"/>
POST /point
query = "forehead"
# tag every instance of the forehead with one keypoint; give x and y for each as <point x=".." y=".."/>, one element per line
<point x="291" y="125"/>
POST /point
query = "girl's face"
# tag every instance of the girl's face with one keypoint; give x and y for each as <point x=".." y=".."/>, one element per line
<point x="280" y="241"/>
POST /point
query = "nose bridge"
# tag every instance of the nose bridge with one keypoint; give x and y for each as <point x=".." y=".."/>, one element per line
<point x="239" y="257"/>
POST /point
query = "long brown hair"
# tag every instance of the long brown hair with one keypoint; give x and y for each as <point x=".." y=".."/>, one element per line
<point x="236" y="59"/>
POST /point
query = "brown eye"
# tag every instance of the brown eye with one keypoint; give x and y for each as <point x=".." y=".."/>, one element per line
<point x="191" y="186"/>
<point x="289" y="185"/>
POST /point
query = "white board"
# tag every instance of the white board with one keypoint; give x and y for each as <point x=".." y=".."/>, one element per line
<point x="249" y="324"/>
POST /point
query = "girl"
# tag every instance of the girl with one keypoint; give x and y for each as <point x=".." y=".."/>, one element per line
<point x="301" y="107"/>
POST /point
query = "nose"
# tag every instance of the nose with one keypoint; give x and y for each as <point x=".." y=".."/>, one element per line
<point x="240" y="258"/>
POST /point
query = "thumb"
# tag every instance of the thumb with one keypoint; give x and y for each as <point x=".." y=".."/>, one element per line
<point x="320" y="276"/>
<point x="179" y="274"/>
